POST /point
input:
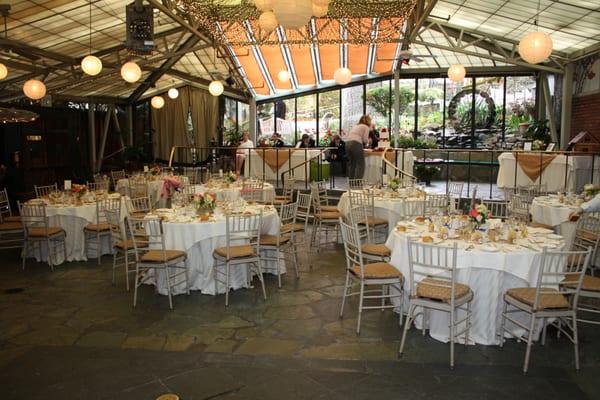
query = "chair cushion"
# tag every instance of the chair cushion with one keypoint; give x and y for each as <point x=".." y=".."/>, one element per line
<point x="281" y="201"/>
<point x="329" y="208"/>
<point x="43" y="232"/>
<point x="138" y="214"/>
<point x="11" y="226"/>
<point x="271" y="240"/>
<point x="376" y="249"/>
<point x="426" y="288"/>
<point x="287" y="228"/>
<point x="12" y="218"/>
<point x="375" y="221"/>
<point x="379" y="270"/>
<point x="547" y="300"/>
<point x="157" y="256"/>
<point x="128" y="244"/>
<point x="97" y="227"/>
<point x="241" y="251"/>
<point x="589" y="235"/>
<point x="328" y="215"/>
<point x="590" y="284"/>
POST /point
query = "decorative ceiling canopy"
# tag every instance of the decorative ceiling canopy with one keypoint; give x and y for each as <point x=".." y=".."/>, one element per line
<point x="360" y="21"/>
<point x="13" y="115"/>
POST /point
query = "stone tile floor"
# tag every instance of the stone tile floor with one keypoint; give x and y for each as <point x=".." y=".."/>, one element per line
<point x="71" y="334"/>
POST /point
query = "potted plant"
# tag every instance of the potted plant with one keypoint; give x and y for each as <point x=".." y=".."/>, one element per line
<point x="425" y="172"/>
<point x="134" y="157"/>
<point x="539" y="131"/>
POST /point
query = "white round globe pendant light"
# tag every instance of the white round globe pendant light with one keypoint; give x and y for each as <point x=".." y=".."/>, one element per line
<point x="293" y="14"/>
<point x="321" y="3"/>
<point x="91" y="65"/>
<point x="456" y="73"/>
<point x="267" y="21"/>
<point x="283" y="76"/>
<point x="535" y="47"/>
<point x="264" y="5"/>
<point x="34" y="89"/>
<point x="173" y="93"/>
<point x="216" y="88"/>
<point x="131" y="72"/>
<point x="157" y="102"/>
<point x="319" y="11"/>
<point x="342" y="76"/>
<point x="3" y="71"/>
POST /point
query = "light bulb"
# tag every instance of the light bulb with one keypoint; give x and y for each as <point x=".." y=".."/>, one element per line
<point x="34" y="89"/>
<point x="216" y="88"/>
<point x="173" y="93"/>
<point x="157" y="102"/>
<point x="91" y="65"/>
<point x="131" y="72"/>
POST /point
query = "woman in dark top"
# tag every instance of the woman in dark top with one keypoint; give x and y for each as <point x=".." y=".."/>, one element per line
<point x="339" y="151"/>
<point x="306" y="142"/>
<point x="373" y="137"/>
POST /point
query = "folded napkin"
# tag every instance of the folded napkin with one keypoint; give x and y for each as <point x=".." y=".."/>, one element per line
<point x="170" y="183"/>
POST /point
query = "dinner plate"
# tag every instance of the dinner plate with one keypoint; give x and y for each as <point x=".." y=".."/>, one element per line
<point x="554" y="236"/>
<point x="549" y="245"/>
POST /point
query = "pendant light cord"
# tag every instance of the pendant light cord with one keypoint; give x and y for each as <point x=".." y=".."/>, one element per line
<point x="90" y="26"/>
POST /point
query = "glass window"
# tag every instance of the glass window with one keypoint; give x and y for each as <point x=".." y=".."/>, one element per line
<point x="230" y="120"/>
<point x="379" y="105"/>
<point x="459" y="104"/>
<point x="243" y="117"/>
<point x="265" y="121"/>
<point x="431" y="110"/>
<point x="285" y="120"/>
<point x="306" y="116"/>
<point x="352" y="107"/>
<point x="520" y="105"/>
<point x="329" y="116"/>
<point x="407" y="106"/>
<point x="489" y="100"/>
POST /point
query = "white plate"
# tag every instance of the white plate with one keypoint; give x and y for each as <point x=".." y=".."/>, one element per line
<point x="488" y="248"/>
<point x="554" y="236"/>
<point x="539" y="230"/>
<point x="549" y="245"/>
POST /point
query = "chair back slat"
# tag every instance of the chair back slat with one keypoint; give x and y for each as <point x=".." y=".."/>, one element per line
<point x="436" y="204"/>
<point x="358" y="216"/>
<point x="303" y="206"/>
<point x="33" y="216"/>
<point x="101" y="186"/>
<point x="413" y="208"/>
<point x="498" y="208"/>
<point x="243" y="229"/>
<point x="117" y="175"/>
<point x="113" y="218"/>
<point x="352" y="246"/>
<point x="252" y="190"/>
<point x="43" y="191"/>
<point x="141" y="204"/>
<point x="356" y="184"/>
<point x="5" y="210"/>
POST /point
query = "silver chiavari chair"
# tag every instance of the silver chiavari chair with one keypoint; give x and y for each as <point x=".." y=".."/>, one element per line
<point x="43" y="191"/>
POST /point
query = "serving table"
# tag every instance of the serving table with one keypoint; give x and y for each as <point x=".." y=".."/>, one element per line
<point x="373" y="164"/>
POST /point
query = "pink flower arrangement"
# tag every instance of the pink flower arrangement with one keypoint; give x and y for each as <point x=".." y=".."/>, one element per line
<point x="206" y="200"/>
<point x="480" y="214"/>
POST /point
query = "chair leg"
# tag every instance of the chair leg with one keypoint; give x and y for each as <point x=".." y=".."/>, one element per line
<point x="215" y="276"/>
<point x="407" y="324"/>
<point x="452" y="331"/>
<point x="126" y="255"/>
<point x="168" y="277"/>
<point x="345" y="294"/>
<point x="544" y="331"/>
<point x="468" y="321"/>
<point x="502" y="324"/>
<point x="137" y="279"/>
<point x="529" y="342"/>
<point x="24" y="253"/>
<point x="114" y="267"/>
<point x="98" y="248"/>
<point x="261" y="278"/>
<point x="360" y="306"/>
<point x="575" y="340"/>
<point x="227" y="284"/>
<point x="295" y="250"/>
<point x="277" y="257"/>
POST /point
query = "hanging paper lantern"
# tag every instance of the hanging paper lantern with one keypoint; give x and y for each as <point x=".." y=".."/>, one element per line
<point x="319" y="11"/>
<point x="34" y="89"/>
<point x="535" y="47"/>
<point x="267" y="21"/>
<point x="216" y="88"/>
<point x="3" y="71"/>
<point x="342" y="76"/>
<point x="173" y="93"/>
<point x="456" y="73"/>
<point x="264" y="5"/>
<point x="283" y="76"/>
<point x="91" y="65"/>
<point x="157" y="102"/>
<point x="131" y="72"/>
<point x="293" y="14"/>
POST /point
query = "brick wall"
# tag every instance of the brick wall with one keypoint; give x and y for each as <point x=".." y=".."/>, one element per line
<point x="586" y="115"/>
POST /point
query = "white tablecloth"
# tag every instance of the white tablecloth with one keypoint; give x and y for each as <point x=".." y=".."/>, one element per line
<point x="488" y="274"/>
<point x="199" y="239"/>
<point x="577" y="168"/>
<point x="234" y="192"/>
<point x="374" y="163"/>
<point x="154" y="188"/>
<point x="391" y="209"/>
<point x="73" y="219"/>
<point x="255" y="166"/>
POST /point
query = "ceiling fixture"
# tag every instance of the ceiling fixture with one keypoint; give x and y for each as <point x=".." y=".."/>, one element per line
<point x="293" y="14"/>
<point x="216" y="88"/>
<point x="173" y="93"/>
<point x="264" y="5"/>
<point x="267" y="21"/>
<point x="3" y="69"/>
<point x="456" y="73"/>
<point x="536" y="47"/>
<point x="321" y="3"/>
<point x="319" y="11"/>
<point x="342" y="76"/>
<point x="283" y="76"/>
<point x="34" y="89"/>
<point x="13" y="115"/>
<point x="131" y="72"/>
<point x="157" y="102"/>
<point x="91" y="64"/>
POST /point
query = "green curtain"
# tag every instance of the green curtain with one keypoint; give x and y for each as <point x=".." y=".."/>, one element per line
<point x="204" y="108"/>
<point x="169" y="124"/>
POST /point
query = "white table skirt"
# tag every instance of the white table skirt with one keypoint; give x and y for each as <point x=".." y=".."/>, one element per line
<point x="234" y="193"/>
<point x="199" y="240"/>
<point x="73" y="219"/>
<point x="489" y="275"/>
<point x="373" y="165"/>
<point x="578" y="170"/>
<point x="392" y="210"/>
<point x="255" y="166"/>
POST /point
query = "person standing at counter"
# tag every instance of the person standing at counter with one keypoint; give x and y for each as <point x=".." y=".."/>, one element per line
<point x="355" y="142"/>
<point x="242" y="152"/>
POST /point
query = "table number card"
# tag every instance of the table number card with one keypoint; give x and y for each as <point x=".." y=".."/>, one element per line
<point x="146" y="168"/>
<point x="550" y="146"/>
<point x="527" y="146"/>
<point x="67" y="184"/>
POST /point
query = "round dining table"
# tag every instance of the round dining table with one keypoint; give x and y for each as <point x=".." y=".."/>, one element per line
<point x="489" y="269"/>
<point x="233" y="191"/>
<point x="186" y="232"/>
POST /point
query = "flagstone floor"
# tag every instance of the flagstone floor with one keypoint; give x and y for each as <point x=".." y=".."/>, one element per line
<point x="71" y="334"/>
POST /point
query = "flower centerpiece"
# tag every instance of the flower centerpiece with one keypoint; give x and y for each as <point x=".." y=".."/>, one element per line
<point x="79" y="191"/>
<point x="479" y="214"/>
<point x="231" y="177"/>
<point x="590" y="190"/>
<point x="204" y="203"/>
<point x="394" y="183"/>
